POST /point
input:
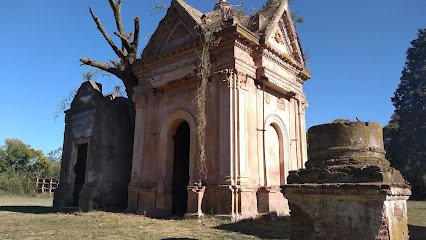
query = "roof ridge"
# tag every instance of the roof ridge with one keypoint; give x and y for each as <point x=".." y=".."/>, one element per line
<point x="195" y="13"/>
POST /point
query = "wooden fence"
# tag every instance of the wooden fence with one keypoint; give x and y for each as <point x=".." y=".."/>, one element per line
<point x="46" y="185"/>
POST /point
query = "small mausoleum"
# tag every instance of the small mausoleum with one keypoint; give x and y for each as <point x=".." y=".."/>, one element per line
<point x="96" y="158"/>
<point x="255" y="113"/>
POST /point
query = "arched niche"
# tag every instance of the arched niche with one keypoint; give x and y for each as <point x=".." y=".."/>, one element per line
<point x="275" y="123"/>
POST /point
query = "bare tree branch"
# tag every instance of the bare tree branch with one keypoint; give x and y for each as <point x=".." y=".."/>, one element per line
<point x="101" y="65"/>
<point x="136" y="36"/>
<point x="127" y="53"/>
<point x="123" y="57"/>
<point x="104" y="33"/>
<point x="114" y="62"/>
<point x="125" y="41"/>
<point x="116" y="8"/>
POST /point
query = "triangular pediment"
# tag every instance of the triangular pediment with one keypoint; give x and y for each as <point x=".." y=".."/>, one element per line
<point x="88" y="92"/>
<point x="179" y="35"/>
<point x="176" y="29"/>
<point x="281" y="35"/>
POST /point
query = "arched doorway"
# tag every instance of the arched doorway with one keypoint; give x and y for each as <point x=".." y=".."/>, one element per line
<point x="180" y="181"/>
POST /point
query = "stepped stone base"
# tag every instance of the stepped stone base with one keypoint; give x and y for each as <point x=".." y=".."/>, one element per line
<point x="348" y="189"/>
<point x="348" y="211"/>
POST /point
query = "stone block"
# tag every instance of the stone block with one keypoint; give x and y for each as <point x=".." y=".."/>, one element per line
<point x="247" y="202"/>
<point x="209" y="205"/>
<point x="86" y="202"/>
<point x="147" y="201"/>
<point x="271" y="200"/>
<point x="225" y="201"/>
<point x="133" y="197"/>
<point x="348" y="211"/>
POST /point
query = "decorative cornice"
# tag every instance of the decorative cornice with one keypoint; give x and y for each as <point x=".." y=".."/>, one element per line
<point x="143" y="66"/>
<point x="229" y="33"/>
<point x="245" y="67"/>
<point x="247" y="34"/>
<point x="281" y="58"/>
<point x="245" y="47"/>
<point x="281" y="82"/>
<point x="288" y="63"/>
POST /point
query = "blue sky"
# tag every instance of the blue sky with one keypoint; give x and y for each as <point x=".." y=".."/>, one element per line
<point x="357" y="52"/>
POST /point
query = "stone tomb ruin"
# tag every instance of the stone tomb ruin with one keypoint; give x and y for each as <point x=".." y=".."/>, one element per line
<point x="96" y="159"/>
<point x="255" y="114"/>
<point x="348" y="189"/>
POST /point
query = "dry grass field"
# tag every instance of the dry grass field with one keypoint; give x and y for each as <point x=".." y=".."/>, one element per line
<point x="33" y="218"/>
<point x="417" y="219"/>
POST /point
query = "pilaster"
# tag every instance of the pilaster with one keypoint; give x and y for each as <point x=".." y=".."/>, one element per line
<point x="225" y="85"/>
<point x="242" y="140"/>
<point x="133" y="197"/>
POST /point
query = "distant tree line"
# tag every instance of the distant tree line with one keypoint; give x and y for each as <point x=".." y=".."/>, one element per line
<point x="20" y="165"/>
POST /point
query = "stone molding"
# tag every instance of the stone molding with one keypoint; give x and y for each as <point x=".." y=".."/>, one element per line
<point x="241" y="44"/>
<point x="245" y="68"/>
<point x="164" y="59"/>
<point x="140" y="101"/>
<point x="281" y="82"/>
<point x="302" y="107"/>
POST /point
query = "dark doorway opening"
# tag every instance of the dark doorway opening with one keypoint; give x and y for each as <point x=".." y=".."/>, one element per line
<point x="180" y="170"/>
<point x="80" y="172"/>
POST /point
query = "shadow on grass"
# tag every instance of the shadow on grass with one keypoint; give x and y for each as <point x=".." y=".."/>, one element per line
<point x="28" y="209"/>
<point x="264" y="227"/>
<point x="34" y="209"/>
<point x="416" y="232"/>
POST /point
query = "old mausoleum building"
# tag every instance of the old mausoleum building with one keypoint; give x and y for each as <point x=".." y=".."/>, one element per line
<point x="255" y="114"/>
<point x="96" y="157"/>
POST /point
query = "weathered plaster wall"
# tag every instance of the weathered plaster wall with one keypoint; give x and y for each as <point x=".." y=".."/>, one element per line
<point x="255" y="114"/>
<point x="239" y="107"/>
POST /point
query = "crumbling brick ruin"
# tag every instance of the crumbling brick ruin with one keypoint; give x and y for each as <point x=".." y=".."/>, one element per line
<point x="348" y="189"/>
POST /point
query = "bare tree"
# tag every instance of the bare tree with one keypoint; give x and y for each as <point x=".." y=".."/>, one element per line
<point x="127" y="53"/>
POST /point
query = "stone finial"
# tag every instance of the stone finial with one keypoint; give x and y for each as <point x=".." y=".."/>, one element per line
<point x="221" y="4"/>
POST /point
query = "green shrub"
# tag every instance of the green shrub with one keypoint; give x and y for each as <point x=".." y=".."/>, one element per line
<point x="16" y="185"/>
